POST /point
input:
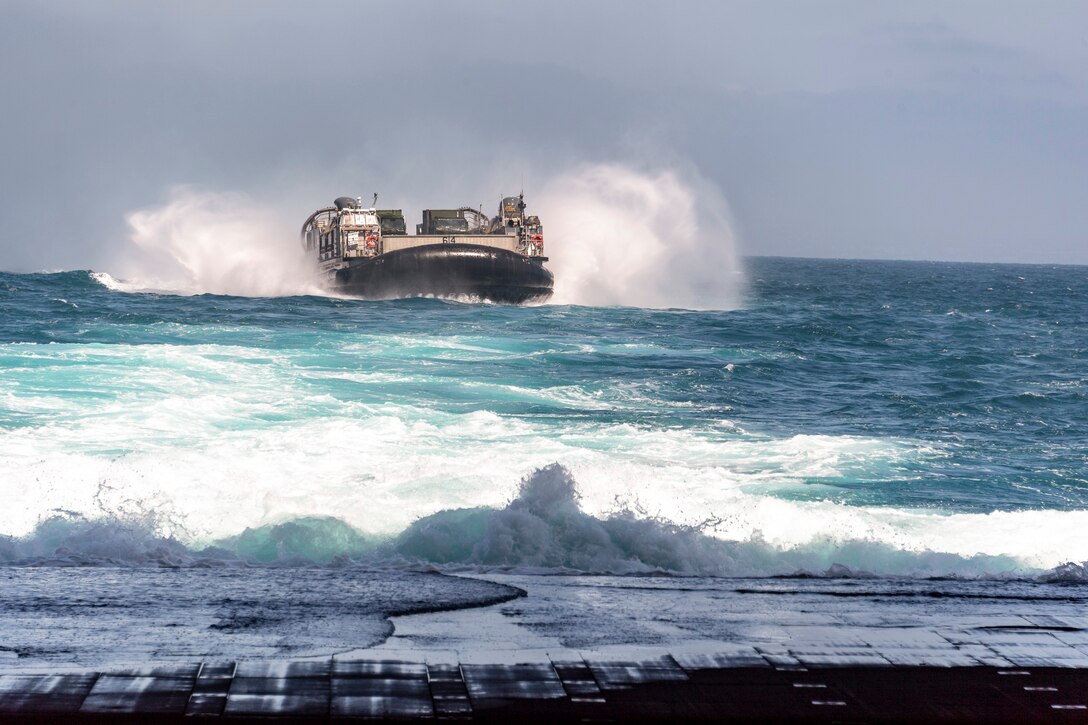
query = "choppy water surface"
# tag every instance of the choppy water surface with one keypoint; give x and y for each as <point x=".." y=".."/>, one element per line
<point x="916" y="418"/>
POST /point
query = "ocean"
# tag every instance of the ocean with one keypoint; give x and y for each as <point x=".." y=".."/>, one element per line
<point x="889" y="418"/>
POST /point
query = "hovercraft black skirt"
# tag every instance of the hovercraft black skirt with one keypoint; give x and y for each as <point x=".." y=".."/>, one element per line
<point x="448" y="270"/>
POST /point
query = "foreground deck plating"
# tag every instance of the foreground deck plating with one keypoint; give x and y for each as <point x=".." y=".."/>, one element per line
<point x="660" y="689"/>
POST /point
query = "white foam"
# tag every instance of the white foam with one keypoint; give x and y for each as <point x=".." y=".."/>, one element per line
<point x="106" y="280"/>
<point x="211" y="439"/>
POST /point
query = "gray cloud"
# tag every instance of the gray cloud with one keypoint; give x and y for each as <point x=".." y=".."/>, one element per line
<point x="835" y="129"/>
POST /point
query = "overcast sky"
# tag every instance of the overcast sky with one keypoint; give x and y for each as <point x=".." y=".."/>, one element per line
<point x="920" y="130"/>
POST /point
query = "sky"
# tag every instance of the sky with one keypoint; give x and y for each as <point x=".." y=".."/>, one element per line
<point x="946" y="130"/>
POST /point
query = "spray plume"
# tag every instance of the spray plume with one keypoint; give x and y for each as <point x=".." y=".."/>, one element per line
<point x="616" y="236"/>
<point x="620" y="236"/>
<point x="205" y="242"/>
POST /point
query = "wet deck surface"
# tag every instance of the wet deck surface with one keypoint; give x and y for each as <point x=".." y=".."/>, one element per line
<point x="601" y="649"/>
<point x="723" y="686"/>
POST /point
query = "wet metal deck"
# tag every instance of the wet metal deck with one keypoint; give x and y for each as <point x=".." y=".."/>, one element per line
<point x="724" y="686"/>
<point x="621" y="649"/>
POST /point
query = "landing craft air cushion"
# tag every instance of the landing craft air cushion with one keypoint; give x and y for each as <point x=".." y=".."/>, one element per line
<point x="368" y="253"/>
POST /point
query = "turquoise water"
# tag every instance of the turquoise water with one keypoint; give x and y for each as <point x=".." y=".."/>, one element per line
<point x="875" y="414"/>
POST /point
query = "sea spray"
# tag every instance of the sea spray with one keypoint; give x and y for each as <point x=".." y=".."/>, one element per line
<point x="618" y="235"/>
<point x="201" y="241"/>
<point x="72" y="540"/>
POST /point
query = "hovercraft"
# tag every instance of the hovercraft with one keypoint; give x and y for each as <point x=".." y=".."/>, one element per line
<point x="458" y="253"/>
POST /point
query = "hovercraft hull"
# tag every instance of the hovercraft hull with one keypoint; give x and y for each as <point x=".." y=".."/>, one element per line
<point x="447" y="270"/>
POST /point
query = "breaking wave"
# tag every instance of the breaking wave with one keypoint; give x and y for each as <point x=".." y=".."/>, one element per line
<point x="543" y="529"/>
<point x="66" y="539"/>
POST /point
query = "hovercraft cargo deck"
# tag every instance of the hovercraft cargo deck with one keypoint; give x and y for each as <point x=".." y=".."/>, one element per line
<point x="457" y="253"/>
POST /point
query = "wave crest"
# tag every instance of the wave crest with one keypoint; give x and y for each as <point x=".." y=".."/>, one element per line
<point x="542" y="529"/>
